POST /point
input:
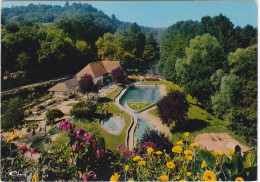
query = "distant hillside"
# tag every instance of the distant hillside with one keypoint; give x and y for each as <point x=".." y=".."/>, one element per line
<point x="47" y="14"/>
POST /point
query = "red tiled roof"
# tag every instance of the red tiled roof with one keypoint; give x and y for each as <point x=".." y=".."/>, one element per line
<point x="98" y="68"/>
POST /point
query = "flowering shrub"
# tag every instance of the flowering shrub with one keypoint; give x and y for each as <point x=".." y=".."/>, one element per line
<point x="186" y="162"/>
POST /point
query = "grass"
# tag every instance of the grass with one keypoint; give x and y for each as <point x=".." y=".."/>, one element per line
<point x="53" y="131"/>
<point x="138" y="105"/>
<point x="198" y="118"/>
<point x="111" y="141"/>
<point x="71" y="104"/>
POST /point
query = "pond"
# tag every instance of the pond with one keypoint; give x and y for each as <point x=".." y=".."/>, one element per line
<point x="113" y="124"/>
<point x="143" y="94"/>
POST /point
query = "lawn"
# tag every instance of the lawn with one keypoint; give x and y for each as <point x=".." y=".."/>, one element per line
<point x="111" y="141"/>
<point x="138" y="106"/>
<point x="200" y="121"/>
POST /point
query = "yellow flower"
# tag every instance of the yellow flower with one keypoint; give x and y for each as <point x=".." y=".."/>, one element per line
<point x="188" y="152"/>
<point x="239" y="179"/>
<point x="218" y="152"/>
<point x="180" y="142"/>
<point x="15" y="136"/>
<point x="203" y="164"/>
<point x="163" y="178"/>
<point x="186" y="134"/>
<point x="130" y="180"/>
<point x="114" y="177"/>
<point x="158" y="153"/>
<point x="54" y="139"/>
<point x="231" y="152"/>
<point x="136" y="158"/>
<point x="71" y="153"/>
<point x="188" y="157"/>
<point x="126" y="167"/>
<point x="35" y="177"/>
<point x="209" y="176"/>
<point x="177" y="149"/>
<point x="150" y="150"/>
<point x="170" y="165"/>
<point x="188" y="173"/>
<point x="141" y="163"/>
<point x="194" y="145"/>
<point x="183" y="180"/>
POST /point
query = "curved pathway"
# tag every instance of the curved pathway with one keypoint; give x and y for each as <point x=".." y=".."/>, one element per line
<point x="130" y="132"/>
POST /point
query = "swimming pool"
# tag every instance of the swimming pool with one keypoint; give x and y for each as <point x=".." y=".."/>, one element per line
<point x="114" y="124"/>
<point x="143" y="94"/>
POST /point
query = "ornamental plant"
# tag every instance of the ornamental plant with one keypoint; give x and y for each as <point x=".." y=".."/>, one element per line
<point x="173" y="108"/>
<point x="185" y="162"/>
<point x="118" y="75"/>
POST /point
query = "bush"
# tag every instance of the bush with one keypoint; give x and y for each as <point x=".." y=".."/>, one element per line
<point x="86" y="84"/>
<point x="118" y="75"/>
<point x="53" y="131"/>
<point x="83" y="110"/>
<point x="160" y="140"/>
<point x="54" y="113"/>
<point x="173" y="107"/>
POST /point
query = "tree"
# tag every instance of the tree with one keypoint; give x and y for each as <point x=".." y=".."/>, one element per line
<point x="204" y="56"/>
<point x="33" y="125"/>
<point x="54" y="113"/>
<point x="118" y="75"/>
<point x="12" y="113"/>
<point x="151" y="51"/>
<point x="173" y="107"/>
<point x="83" y="110"/>
<point x="86" y="84"/>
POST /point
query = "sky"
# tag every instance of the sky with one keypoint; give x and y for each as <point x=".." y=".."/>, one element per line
<point x="166" y="13"/>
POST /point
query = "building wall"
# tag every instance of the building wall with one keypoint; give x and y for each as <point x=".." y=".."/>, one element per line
<point x="100" y="78"/>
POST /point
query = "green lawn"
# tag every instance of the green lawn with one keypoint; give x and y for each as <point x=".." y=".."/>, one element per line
<point x="199" y="118"/>
<point x="138" y="105"/>
<point x="111" y="141"/>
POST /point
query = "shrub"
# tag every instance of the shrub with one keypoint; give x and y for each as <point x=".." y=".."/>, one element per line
<point x="86" y="84"/>
<point x="118" y="75"/>
<point x="54" y="113"/>
<point x="173" y="107"/>
<point x="83" y="110"/>
<point x="160" y="140"/>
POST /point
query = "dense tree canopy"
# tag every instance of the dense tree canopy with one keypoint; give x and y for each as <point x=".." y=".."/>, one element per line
<point x="173" y="108"/>
<point x="12" y="113"/>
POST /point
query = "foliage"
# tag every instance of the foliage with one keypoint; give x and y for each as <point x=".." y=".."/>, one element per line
<point x="236" y="98"/>
<point x="118" y="75"/>
<point x="83" y="110"/>
<point x="159" y="139"/>
<point x="138" y="106"/>
<point x="204" y="56"/>
<point x="54" y="113"/>
<point x="12" y="113"/>
<point x="185" y="162"/>
<point x="173" y="107"/>
<point x="33" y="125"/>
<point x="53" y="131"/>
<point x="39" y="143"/>
<point x="86" y="84"/>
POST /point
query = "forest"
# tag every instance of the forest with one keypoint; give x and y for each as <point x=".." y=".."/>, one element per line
<point x="211" y="59"/>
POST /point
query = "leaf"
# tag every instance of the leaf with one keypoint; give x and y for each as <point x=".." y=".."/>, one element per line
<point x="207" y="156"/>
<point x="237" y="164"/>
<point x="249" y="159"/>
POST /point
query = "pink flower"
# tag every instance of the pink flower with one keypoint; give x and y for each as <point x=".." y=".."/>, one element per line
<point x="120" y="146"/>
<point x="128" y="153"/>
<point x="94" y="143"/>
<point x="81" y="133"/>
<point x="87" y="138"/>
<point x="100" y="153"/>
<point x="148" y="145"/>
<point x="51" y="156"/>
<point x="75" y="147"/>
<point x="24" y="149"/>
<point x="70" y="162"/>
<point x="92" y="177"/>
<point x="34" y="150"/>
<point x="65" y="125"/>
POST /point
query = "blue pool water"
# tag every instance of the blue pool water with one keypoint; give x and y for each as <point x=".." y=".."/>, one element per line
<point x="141" y="94"/>
<point x="112" y="125"/>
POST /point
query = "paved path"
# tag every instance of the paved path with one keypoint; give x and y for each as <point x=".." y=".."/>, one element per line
<point x="156" y="122"/>
<point x="130" y="132"/>
<point x="218" y="141"/>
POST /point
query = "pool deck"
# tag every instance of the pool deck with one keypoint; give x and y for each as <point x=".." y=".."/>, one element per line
<point x="130" y="139"/>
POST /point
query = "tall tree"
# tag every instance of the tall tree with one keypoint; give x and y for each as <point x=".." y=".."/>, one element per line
<point x="151" y="51"/>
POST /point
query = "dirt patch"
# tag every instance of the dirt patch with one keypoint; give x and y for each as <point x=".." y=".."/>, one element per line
<point x="218" y="141"/>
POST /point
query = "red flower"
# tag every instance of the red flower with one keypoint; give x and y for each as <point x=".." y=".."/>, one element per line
<point x="120" y="146"/>
<point x="34" y="150"/>
<point x="65" y="125"/>
<point x="128" y="153"/>
<point x="24" y="149"/>
<point x="92" y="177"/>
